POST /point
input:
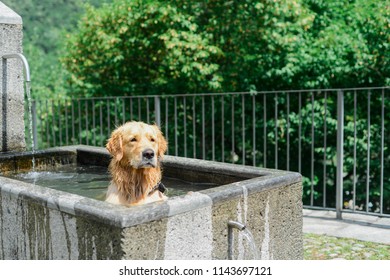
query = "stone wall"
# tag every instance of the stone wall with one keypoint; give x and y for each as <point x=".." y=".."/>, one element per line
<point x="12" y="137"/>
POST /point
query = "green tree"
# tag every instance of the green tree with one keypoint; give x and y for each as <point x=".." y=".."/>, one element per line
<point x="45" y="24"/>
<point x="141" y="47"/>
<point x="347" y="45"/>
<point x="246" y="45"/>
<point x="257" y="38"/>
<point x="286" y="44"/>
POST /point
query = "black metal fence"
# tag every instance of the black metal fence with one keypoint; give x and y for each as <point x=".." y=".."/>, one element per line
<point x="337" y="139"/>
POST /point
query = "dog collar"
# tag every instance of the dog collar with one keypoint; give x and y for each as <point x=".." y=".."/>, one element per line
<point x="160" y="187"/>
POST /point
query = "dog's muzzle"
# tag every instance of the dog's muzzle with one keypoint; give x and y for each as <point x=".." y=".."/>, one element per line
<point x="148" y="159"/>
<point x="148" y="154"/>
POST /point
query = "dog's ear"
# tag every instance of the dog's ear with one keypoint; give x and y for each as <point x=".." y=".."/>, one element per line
<point x="115" y="145"/>
<point x="162" y="143"/>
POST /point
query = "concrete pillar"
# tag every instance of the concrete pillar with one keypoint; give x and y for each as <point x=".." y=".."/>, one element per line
<point x="12" y="128"/>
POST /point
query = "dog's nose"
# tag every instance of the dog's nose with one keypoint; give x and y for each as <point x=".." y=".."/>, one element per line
<point x="149" y="154"/>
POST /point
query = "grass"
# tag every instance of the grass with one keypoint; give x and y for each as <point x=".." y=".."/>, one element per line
<point x="323" y="247"/>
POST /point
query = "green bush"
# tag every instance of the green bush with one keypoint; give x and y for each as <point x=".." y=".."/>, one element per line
<point x="141" y="47"/>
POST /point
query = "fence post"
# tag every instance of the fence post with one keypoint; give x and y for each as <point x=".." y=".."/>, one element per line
<point x="157" y="110"/>
<point x="340" y="153"/>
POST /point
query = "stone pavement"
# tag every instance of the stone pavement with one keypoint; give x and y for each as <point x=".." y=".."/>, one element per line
<point x="358" y="226"/>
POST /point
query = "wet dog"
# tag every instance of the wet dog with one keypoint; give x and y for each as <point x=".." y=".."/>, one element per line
<point x="136" y="150"/>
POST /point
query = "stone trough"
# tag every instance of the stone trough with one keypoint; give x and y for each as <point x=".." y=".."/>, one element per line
<point x="42" y="223"/>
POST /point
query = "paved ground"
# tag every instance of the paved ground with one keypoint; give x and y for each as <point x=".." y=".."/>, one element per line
<point x="358" y="226"/>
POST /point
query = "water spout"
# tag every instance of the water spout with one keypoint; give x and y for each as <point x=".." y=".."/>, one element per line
<point x="237" y="225"/>
<point x="231" y="226"/>
<point x="25" y="63"/>
<point x="27" y="80"/>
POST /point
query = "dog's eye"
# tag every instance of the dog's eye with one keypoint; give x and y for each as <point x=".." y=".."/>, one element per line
<point x="152" y="139"/>
<point x="133" y="139"/>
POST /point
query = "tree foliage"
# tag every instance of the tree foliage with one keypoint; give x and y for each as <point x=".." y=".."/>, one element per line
<point x="347" y="45"/>
<point x="45" y="24"/>
<point x="141" y="47"/>
<point x="133" y="47"/>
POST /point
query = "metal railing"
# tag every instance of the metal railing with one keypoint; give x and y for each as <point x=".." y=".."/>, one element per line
<point x="338" y="139"/>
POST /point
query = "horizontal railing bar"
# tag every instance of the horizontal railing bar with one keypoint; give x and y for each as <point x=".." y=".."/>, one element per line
<point x="227" y="93"/>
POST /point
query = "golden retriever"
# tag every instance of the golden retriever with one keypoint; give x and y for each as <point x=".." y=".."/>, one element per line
<point x="136" y="150"/>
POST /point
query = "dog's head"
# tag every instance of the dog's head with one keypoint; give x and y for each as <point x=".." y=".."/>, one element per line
<point x="137" y="144"/>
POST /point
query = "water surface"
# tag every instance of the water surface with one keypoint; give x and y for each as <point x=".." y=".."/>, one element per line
<point x="92" y="181"/>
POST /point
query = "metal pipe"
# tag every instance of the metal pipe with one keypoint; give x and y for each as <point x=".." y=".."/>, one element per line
<point x="25" y="63"/>
<point x="340" y="153"/>
<point x="382" y="150"/>
<point x="157" y="110"/>
<point x="185" y="125"/>
<point x="237" y="225"/>
<point x="368" y="151"/>
<point x="231" y="226"/>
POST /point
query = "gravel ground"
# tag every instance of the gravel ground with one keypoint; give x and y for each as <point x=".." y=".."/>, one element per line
<point x="322" y="247"/>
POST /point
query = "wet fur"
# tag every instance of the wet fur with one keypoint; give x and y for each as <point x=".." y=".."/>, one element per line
<point x="131" y="184"/>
